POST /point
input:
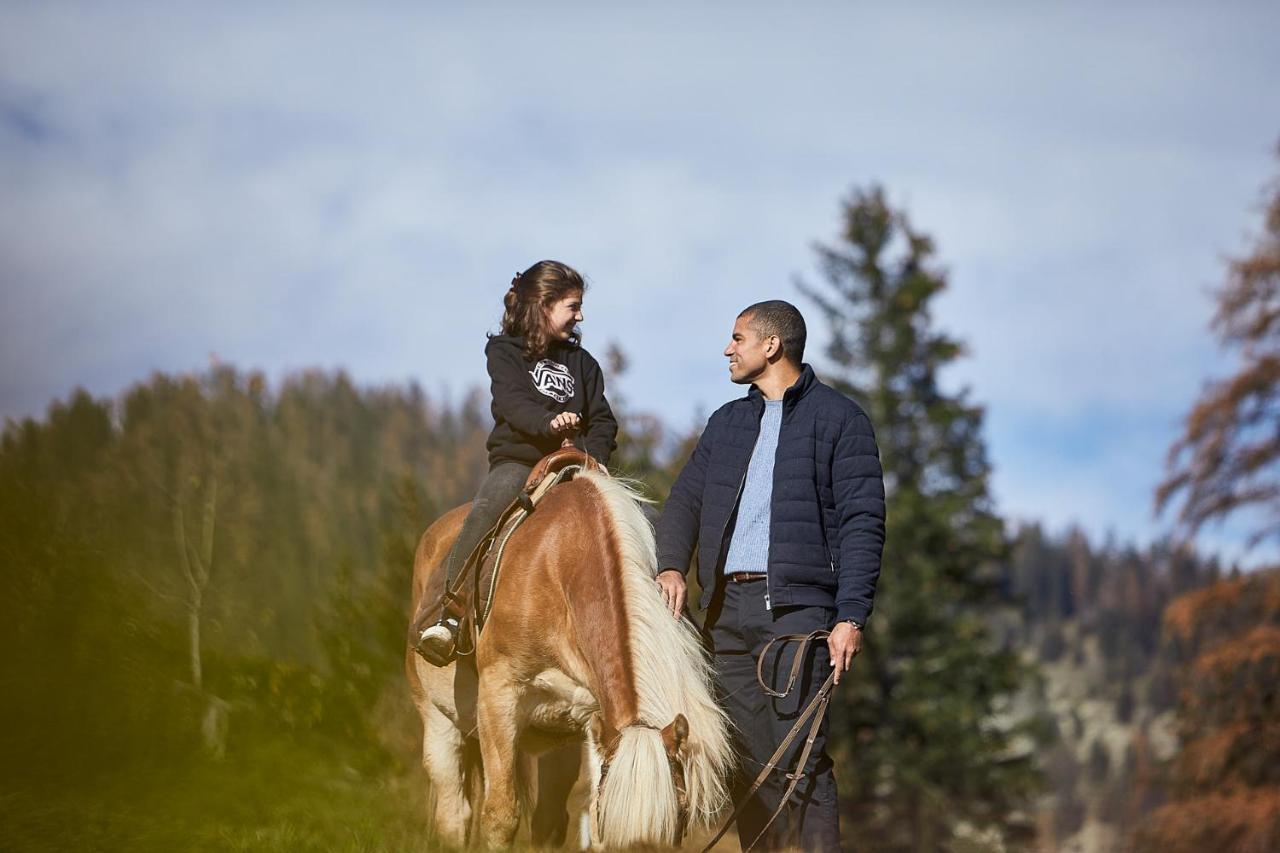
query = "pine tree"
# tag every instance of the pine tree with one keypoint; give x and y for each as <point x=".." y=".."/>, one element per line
<point x="926" y="742"/>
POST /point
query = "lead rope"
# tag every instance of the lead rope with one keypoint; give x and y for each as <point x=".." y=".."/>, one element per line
<point x="817" y="708"/>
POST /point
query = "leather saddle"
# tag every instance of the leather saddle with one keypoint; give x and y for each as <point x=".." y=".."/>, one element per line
<point x="472" y="595"/>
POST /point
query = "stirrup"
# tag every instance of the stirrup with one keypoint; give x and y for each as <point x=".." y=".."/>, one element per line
<point x="438" y="645"/>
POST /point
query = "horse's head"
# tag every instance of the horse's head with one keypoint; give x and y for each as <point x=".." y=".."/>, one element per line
<point x="641" y="798"/>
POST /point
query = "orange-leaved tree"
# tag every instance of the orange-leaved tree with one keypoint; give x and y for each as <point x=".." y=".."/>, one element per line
<point x="1228" y="458"/>
<point x="1225" y="781"/>
<point x="1226" y="777"/>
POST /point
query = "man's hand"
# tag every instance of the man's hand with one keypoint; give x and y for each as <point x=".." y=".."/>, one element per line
<point x="844" y="644"/>
<point x="564" y="423"/>
<point x="671" y="582"/>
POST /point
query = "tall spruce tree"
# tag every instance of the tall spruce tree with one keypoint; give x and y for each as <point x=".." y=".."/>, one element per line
<point x="926" y="740"/>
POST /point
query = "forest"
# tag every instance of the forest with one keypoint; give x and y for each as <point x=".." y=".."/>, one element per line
<point x="206" y="589"/>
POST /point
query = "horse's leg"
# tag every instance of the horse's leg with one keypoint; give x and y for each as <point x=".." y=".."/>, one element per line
<point x="582" y="794"/>
<point x="442" y="755"/>
<point x="473" y="772"/>
<point x="496" y="723"/>
<point x="557" y="773"/>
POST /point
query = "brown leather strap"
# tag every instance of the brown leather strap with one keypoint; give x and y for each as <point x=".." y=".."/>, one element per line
<point x="817" y="709"/>
<point x="476" y="608"/>
<point x="551" y="470"/>
<point x="797" y="661"/>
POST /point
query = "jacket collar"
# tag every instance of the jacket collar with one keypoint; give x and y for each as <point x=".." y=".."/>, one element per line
<point x="793" y="395"/>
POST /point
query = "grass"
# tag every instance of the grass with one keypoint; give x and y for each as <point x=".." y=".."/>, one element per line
<point x="278" y="795"/>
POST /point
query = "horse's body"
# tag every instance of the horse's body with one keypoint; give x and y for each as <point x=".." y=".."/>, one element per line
<point x="578" y="648"/>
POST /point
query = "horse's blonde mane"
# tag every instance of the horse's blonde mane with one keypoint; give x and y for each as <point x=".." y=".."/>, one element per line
<point x="673" y="675"/>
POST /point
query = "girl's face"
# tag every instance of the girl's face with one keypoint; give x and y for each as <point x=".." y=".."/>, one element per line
<point x="564" y="314"/>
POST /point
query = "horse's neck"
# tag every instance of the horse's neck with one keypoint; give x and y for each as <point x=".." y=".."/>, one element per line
<point x="598" y="611"/>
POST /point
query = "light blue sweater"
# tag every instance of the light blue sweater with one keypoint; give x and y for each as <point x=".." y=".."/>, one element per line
<point x="749" y="548"/>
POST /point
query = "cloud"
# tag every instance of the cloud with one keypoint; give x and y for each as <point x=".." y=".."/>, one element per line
<point x="339" y="186"/>
<point x="1098" y="470"/>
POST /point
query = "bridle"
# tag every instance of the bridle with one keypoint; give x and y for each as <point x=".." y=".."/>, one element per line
<point x="677" y="775"/>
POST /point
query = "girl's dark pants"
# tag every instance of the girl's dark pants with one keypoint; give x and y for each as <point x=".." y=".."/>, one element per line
<point x="737" y="628"/>
<point x="496" y="493"/>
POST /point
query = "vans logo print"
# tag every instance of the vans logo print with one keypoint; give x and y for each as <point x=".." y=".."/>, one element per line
<point x="553" y="379"/>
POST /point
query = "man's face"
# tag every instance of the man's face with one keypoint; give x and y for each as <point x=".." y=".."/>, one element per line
<point x="748" y="352"/>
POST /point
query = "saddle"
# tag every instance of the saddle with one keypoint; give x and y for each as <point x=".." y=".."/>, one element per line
<point x="472" y="595"/>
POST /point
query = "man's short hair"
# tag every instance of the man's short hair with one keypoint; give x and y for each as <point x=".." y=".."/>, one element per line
<point x="775" y="317"/>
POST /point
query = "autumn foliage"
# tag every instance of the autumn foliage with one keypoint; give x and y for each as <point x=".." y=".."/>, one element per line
<point x="1226" y="780"/>
<point x="1228" y="458"/>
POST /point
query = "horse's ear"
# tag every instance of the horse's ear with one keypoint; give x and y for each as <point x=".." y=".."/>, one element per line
<point x="606" y="740"/>
<point x="675" y="737"/>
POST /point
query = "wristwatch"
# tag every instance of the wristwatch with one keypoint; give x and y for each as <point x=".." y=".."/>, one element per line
<point x="854" y="622"/>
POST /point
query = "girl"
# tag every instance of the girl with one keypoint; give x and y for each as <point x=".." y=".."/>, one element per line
<point x="545" y="387"/>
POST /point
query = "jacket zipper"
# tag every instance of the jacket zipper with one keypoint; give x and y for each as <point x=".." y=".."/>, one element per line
<point x="768" y="606"/>
<point x="737" y="496"/>
<point x="768" y="603"/>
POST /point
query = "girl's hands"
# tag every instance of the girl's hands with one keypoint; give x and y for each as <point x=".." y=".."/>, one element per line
<point x="565" y="423"/>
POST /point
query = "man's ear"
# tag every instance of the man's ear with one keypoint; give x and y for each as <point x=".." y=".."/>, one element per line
<point x="773" y="348"/>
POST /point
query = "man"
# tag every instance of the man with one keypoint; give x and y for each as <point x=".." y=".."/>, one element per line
<point x="783" y="498"/>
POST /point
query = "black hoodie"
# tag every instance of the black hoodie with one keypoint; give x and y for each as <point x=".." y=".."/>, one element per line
<point x="528" y="394"/>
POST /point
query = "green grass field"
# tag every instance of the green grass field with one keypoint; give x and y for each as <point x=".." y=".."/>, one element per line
<point x="272" y="796"/>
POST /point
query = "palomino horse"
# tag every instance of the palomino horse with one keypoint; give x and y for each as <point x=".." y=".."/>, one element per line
<point x="578" y="647"/>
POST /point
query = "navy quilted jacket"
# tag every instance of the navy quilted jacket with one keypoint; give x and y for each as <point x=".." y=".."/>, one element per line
<point x="826" y="533"/>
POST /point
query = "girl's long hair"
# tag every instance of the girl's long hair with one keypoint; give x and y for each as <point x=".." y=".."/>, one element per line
<point x="532" y="292"/>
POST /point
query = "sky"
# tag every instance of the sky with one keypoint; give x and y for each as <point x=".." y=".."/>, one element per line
<point x="353" y="185"/>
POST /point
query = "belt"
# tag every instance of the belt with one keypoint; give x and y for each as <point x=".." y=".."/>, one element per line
<point x="746" y="577"/>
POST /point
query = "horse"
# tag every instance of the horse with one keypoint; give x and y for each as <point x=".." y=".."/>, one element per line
<point x="578" y="648"/>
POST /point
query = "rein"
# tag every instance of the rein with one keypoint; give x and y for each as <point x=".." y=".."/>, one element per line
<point x="817" y="709"/>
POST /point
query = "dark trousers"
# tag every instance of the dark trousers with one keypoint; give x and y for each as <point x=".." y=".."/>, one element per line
<point x="496" y="493"/>
<point x="738" y="628"/>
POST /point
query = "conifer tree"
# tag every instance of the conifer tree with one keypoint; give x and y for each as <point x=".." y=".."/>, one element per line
<point x="925" y="740"/>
